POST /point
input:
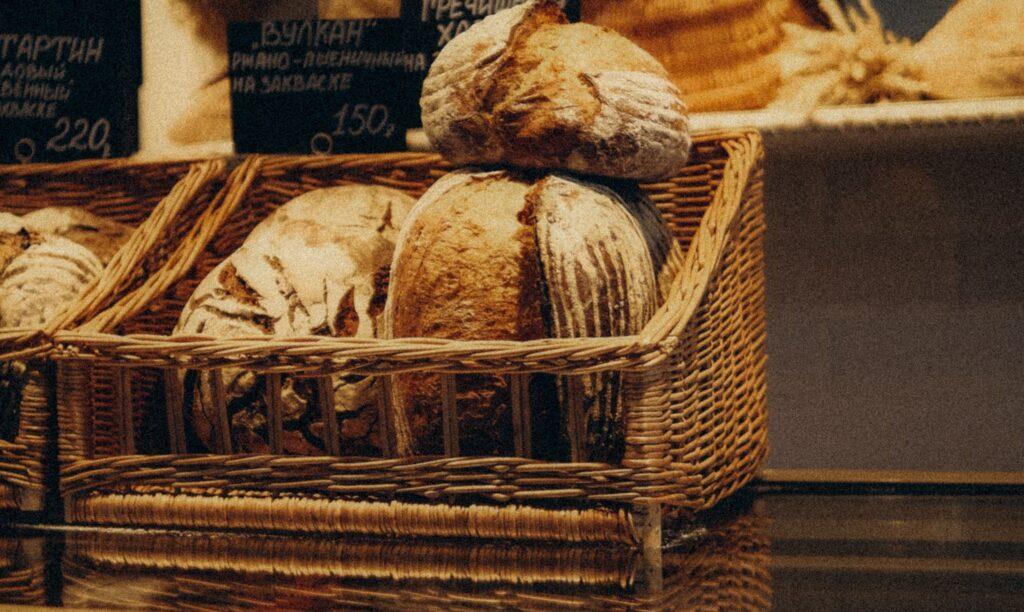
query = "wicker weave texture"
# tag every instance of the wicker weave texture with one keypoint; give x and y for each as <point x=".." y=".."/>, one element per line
<point x="695" y="413"/>
<point x="22" y="572"/>
<point x="160" y="200"/>
<point x="727" y="569"/>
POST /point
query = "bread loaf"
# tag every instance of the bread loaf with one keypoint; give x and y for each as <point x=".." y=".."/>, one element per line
<point x="43" y="280"/>
<point x="101" y="236"/>
<point x="14" y="238"/>
<point x="523" y="87"/>
<point x="10" y="224"/>
<point x="506" y="256"/>
<point x="975" y="51"/>
<point x="317" y="266"/>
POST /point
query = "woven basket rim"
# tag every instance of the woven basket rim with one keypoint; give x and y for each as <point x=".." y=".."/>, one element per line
<point x="85" y="166"/>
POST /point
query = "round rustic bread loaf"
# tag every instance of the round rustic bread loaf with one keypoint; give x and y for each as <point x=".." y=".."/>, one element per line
<point x="720" y="54"/>
<point x="317" y="266"/>
<point x="506" y="256"/>
<point x="101" y="236"/>
<point x="523" y="87"/>
<point x="43" y="280"/>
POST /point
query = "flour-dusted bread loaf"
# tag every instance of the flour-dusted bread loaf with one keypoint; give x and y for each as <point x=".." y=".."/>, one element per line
<point x="43" y="280"/>
<point x="317" y="266"/>
<point x="505" y="256"/>
<point x="103" y="237"/>
<point x="525" y="88"/>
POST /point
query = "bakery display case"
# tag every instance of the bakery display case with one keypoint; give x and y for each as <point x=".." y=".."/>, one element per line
<point x="539" y="304"/>
<point x="819" y="547"/>
<point x="533" y="489"/>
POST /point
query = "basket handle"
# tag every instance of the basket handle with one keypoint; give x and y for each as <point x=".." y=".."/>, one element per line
<point x="701" y="262"/>
<point x="179" y="262"/>
<point x="125" y="262"/>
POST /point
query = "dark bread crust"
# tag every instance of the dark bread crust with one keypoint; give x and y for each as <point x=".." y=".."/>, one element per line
<point x="470" y="270"/>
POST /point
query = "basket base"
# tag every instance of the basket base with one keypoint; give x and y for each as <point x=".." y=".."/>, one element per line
<point x="635" y="526"/>
<point x="20" y="499"/>
<point x="30" y="501"/>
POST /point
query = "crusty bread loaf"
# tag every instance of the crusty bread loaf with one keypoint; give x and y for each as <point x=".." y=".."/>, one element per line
<point x="14" y="238"/>
<point x="10" y="224"/>
<point x="720" y="54"/>
<point x="505" y="256"/>
<point x="43" y="280"/>
<point x="525" y="88"/>
<point x="317" y="266"/>
<point x="103" y="237"/>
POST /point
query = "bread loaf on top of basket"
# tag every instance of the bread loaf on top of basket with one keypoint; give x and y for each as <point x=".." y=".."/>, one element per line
<point x="316" y="266"/>
<point x="505" y="255"/>
<point x="525" y="88"/>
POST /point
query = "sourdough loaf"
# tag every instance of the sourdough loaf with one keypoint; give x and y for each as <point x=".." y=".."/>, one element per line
<point x="101" y="236"/>
<point x="523" y="87"/>
<point x="43" y="280"/>
<point x="317" y="266"/>
<point x="506" y="256"/>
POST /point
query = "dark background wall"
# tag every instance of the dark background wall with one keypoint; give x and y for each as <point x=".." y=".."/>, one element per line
<point x="896" y="303"/>
<point x="911" y="18"/>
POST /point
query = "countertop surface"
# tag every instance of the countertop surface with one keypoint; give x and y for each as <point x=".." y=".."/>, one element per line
<point x="818" y="547"/>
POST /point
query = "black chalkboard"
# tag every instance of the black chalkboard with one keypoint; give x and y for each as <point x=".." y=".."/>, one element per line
<point x="69" y="77"/>
<point x="434" y="23"/>
<point x="322" y="86"/>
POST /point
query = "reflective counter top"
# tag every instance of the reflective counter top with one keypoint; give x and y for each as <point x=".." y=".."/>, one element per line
<point x="821" y="548"/>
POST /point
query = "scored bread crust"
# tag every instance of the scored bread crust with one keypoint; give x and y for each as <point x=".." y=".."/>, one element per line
<point x="525" y="88"/>
<point x="465" y="267"/>
<point x="552" y="256"/>
<point x="39" y="283"/>
<point x="317" y="266"/>
<point x="103" y="237"/>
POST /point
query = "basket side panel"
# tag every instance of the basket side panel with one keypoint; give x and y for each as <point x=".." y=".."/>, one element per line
<point x="125" y="192"/>
<point x="718" y="399"/>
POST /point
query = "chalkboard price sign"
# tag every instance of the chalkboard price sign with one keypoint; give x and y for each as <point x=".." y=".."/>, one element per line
<point x="69" y="77"/>
<point x="322" y="86"/>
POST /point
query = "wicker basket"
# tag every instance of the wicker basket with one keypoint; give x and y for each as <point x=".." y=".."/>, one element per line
<point x="695" y="421"/>
<point x="724" y="567"/>
<point x="153" y="198"/>
<point x="22" y="572"/>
